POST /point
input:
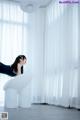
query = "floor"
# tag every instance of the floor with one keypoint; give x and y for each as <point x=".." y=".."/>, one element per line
<point x="42" y="112"/>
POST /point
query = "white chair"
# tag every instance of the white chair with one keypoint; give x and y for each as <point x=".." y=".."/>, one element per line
<point x="25" y="97"/>
<point x="11" y="98"/>
<point x="18" y="92"/>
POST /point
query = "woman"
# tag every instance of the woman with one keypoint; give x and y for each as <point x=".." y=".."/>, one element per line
<point x="16" y="68"/>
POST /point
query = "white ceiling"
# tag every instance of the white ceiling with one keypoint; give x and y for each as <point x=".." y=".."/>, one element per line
<point x="43" y="3"/>
<point x="31" y="5"/>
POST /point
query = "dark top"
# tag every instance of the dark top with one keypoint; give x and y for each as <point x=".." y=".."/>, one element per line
<point x="6" y="69"/>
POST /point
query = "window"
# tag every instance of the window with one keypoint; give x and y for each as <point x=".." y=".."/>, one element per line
<point x="13" y="37"/>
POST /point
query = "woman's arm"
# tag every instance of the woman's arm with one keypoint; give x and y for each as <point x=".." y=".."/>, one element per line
<point x="19" y="69"/>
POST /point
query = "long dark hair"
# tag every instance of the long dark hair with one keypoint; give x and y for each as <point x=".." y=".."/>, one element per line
<point x="17" y="60"/>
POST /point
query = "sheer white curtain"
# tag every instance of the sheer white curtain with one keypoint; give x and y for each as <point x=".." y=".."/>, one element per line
<point x="62" y="65"/>
<point x="37" y="50"/>
<point x="14" y="27"/>
<point x="55" y="56"/>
